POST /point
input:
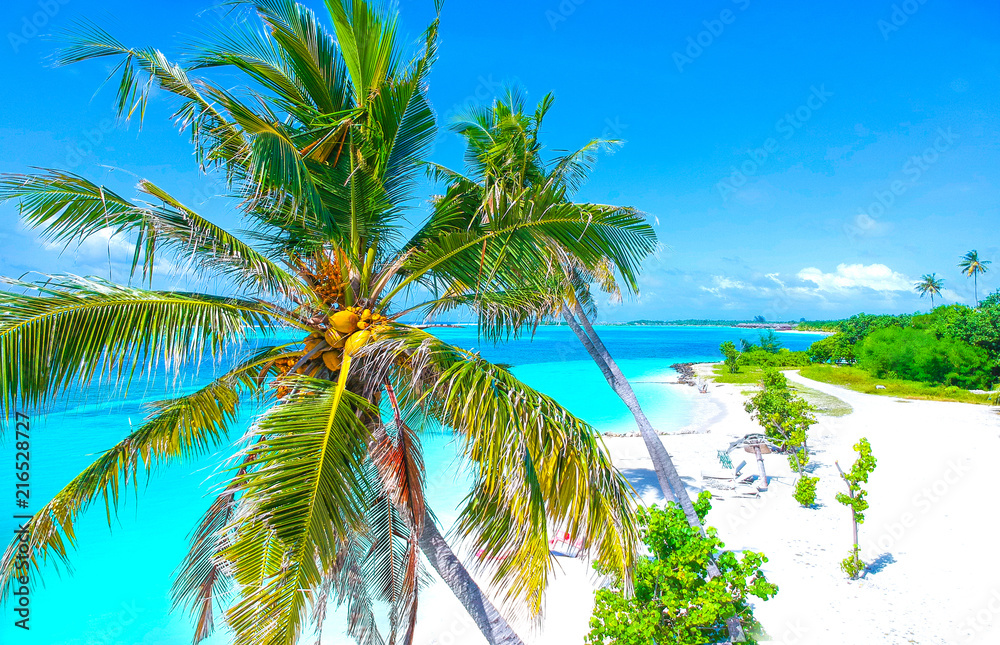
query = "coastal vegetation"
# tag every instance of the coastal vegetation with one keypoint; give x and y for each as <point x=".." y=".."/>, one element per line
<point x="856" y="500"/>
<point x="671" y="601"/>
<point x="755" y="357"/>
<point x="915" y="355"/>
<point x="929" y="284"/>
<point x="732" y="357"/>
<point x="941" y="354"/>
<point x="856" y="379"/>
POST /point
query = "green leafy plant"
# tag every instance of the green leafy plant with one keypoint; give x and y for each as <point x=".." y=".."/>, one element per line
<point x="760" y="357"/>
<point x="732" y="361"/>
<point x="835" y="348"/>
<point x="856" y="500"/>
<point x="673" y="601"/>
<point x="769" y="341"/>
<point x="786" y="419"/>
<point x="916" y="355"/>
<point x="805" y="490"/>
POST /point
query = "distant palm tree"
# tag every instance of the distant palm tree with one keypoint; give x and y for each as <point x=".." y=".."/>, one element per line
<point x="929" y="284"/>
<point x="972" y="266"/>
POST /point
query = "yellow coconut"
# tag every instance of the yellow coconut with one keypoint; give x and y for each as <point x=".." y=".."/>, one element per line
<point x="335" y="338"/>
<point x="311" y="343"/>
<point x="356" y="342"/>
<point x="345" y="321"/>
<point x="331" y="360"/>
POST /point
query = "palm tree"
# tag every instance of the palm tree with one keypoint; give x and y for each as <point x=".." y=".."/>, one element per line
<point x="324" y="500"/>
<point x="972" y="266"/>
<point x="929" y="284"/>
<point x="506" y="175"/>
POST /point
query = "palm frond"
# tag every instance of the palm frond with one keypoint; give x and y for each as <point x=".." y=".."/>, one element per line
<point x="510" y="249"/>
<point x="301" y="496"/>
<point x="538" y="468"/>
<point x="142" y="71"/>
<point x="184" y="427"/>
<point x="69" y="209"/>
<point x="79" y="328"/>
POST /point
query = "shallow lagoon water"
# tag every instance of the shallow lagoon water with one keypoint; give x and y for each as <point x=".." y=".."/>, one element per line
<point x="119" y="590"/>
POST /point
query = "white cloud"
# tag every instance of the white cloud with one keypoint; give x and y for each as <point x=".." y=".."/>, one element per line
<point x="877" y="277"/>
<point x="722" y="283"/>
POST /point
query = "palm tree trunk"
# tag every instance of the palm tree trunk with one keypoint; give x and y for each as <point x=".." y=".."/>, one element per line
<point x="489" y="620"/>
<point x="975" y="288"/>
<point x="670" y="480"/>
<point x="666" y="472"/>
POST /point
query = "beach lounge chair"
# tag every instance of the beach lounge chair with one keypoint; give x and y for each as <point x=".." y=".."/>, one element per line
<point x="727" y="479"/>
<point x="561" y="546"/>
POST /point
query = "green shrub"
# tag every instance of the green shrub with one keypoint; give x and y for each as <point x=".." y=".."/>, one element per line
<point x="672" y="601"/>
<point x="805" y="490"/>
<point x="852" y="564"/>
<point x="782" y="358"/>
<point x="856" y="499"/>
<point x="860" y="326"/>
<point x="834" y="348"/>
<point x="732" y="362"/>
<point x="918" y="355"/>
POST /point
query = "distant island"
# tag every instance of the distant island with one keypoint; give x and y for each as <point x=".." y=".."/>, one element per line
<point x="748" y="324"/>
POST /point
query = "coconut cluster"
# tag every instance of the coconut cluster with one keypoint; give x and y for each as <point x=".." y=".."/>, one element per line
<point x="349" y="330"/>
<point x="345" y="332"/>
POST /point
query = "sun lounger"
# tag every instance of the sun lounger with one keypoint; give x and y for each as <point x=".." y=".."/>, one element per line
<point x="726" y="479"/>
<point x="562" y="546"/>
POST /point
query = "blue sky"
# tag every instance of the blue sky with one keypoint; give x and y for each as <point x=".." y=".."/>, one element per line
<point x="798" y="160"/>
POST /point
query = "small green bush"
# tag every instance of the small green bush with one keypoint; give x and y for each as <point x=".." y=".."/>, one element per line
<point x="732" y="361"/>
<point x="673" y="601"/>
<point x="805" y="490"/>
<point x="852" y="564"/>
<point x="856" y="499"/>
<point x="834" y="348"/>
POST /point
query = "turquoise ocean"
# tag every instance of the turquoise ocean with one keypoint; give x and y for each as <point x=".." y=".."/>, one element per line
<point x="118" y="591"/>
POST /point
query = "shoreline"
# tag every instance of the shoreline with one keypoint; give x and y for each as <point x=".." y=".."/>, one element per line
<point x="933" y="459"/>
<point x="923" y="505"/>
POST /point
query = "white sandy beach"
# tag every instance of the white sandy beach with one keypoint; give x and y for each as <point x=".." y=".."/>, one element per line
<point x="930" y="531"/>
